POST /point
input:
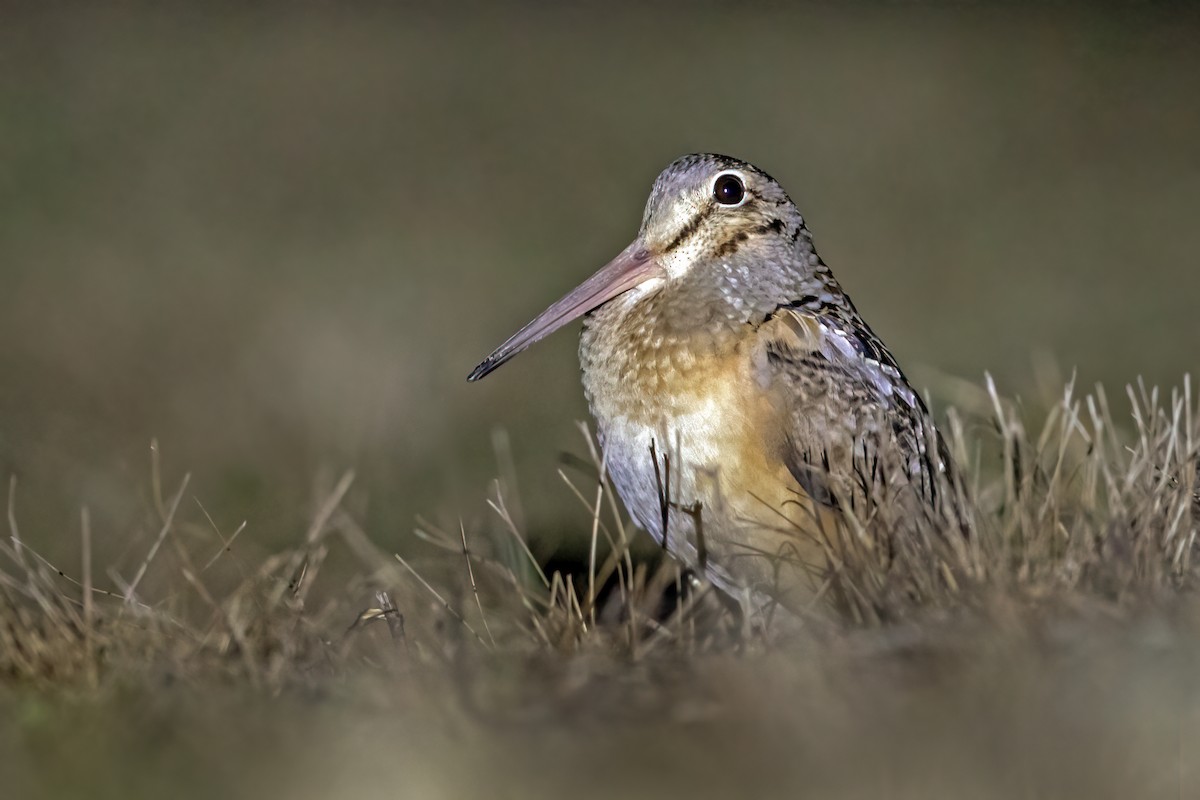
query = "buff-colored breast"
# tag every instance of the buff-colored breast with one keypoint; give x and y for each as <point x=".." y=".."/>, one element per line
<point x="696" y="397"/>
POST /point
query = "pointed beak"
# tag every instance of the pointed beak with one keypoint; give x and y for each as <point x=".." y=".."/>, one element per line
<point x="631" y="268"/>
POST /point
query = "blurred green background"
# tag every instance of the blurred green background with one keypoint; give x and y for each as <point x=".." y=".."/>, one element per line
<point x="278" y="239"/>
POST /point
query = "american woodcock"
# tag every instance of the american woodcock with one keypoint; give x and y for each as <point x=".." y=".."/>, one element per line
<point x="743" y="406"/>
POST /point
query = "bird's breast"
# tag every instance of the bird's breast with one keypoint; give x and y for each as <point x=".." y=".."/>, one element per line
<point x="691" y="403"/>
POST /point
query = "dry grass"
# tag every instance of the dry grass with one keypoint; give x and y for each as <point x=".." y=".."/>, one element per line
<point x="1075" y="583"/>
<point x="1078" y="515"/>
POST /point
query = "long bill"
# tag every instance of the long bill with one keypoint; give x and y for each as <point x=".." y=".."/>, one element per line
<point x="629" y="269"/>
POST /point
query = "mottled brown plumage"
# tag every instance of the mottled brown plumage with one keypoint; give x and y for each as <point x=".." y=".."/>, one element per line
<point x="720" y="346"/>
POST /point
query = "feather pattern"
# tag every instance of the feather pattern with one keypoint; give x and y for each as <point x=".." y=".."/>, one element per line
<point x="845" y="404"/>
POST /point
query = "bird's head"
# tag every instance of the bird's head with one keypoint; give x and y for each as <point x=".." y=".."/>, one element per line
<point x="711" y="222"/>
<point x="705" y="209"/>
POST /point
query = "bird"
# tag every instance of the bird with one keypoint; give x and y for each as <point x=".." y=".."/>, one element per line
<point x="744" y="408"/>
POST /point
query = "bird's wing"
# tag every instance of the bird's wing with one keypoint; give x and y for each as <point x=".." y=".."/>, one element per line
<point x="852" y="424"/>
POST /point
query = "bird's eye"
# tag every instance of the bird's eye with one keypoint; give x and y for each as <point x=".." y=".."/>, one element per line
<point x="729" y="190"/>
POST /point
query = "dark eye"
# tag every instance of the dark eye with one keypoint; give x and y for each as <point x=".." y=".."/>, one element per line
<point x="729" y="190"/>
